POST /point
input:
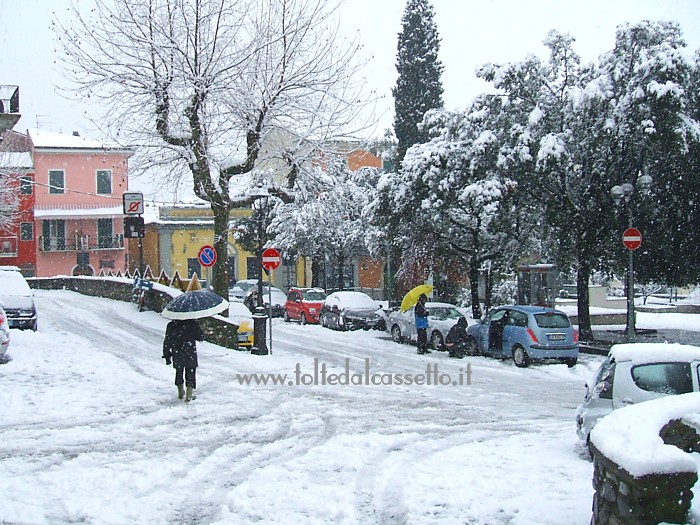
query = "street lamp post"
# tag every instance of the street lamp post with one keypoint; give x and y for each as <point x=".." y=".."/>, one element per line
<point x="623" y="194"/>
<point x="260" y="198"/>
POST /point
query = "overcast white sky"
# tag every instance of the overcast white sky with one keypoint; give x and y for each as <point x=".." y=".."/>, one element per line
<point x="472" y="31"/>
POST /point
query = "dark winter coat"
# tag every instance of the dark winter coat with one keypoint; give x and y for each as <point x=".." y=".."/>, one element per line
<point x="457" y="334"/>
<point x="421" y="314"/>
<point x="180" y="343"/>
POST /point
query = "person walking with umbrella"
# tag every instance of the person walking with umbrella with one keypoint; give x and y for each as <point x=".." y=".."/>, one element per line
<point x="421" y="316"/>
<point x="180" y="348"/>
<point x="183" y="332"/>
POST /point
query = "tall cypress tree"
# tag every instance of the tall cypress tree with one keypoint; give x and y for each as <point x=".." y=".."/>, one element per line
<point x="419" y="86"/>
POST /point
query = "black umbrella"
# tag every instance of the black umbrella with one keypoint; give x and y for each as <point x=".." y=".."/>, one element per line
<point x="195" y="305"/>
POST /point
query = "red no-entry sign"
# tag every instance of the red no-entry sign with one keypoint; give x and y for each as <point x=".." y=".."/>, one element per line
<point x="271" y="259"/>
<point x="632" y="238"/>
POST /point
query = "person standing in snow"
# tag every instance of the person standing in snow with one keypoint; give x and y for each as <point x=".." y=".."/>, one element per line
<point x="421" y="316"/>
<point x="180" y="349"/>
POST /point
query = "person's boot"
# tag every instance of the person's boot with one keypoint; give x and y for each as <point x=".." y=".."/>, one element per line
<point x="189" y="397"/>
<point x="180" y="391"/>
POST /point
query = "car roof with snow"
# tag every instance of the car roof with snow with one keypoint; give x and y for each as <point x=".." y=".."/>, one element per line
<point x="640" y="353"/>
<point x="353" y="299"/>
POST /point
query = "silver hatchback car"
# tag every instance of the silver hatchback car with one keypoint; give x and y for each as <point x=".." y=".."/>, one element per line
<point x="525" y="334"/>
<point x="637" y="372"/>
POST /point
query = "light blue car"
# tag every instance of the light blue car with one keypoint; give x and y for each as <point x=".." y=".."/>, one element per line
<point x="525" y="334"/>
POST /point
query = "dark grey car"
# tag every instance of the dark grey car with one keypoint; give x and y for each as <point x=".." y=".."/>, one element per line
<point x="17" y="299"/>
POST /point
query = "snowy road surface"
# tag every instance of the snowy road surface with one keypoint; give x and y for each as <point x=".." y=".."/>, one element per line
<point x="92" y="431"/>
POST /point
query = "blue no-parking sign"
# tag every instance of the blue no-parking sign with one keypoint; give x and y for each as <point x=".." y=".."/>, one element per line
<point x="207" y="256"/>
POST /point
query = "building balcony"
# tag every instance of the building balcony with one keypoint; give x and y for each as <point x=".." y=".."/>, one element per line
<point x="81" y="243"/>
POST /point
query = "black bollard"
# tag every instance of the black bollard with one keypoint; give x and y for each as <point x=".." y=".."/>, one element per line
<point x="259" y="332"/>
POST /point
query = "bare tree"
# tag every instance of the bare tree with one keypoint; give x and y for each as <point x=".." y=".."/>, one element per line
<point x="217" y="89"/>
<point x="8" y="200"/>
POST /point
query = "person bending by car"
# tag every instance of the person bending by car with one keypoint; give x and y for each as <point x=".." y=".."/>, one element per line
<point x="456" y="340"/>
<point x="180" y="348"/>
<point x="421" y="316"/>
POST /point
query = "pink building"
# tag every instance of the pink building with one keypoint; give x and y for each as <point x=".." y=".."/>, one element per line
<point x="78" y="212"/>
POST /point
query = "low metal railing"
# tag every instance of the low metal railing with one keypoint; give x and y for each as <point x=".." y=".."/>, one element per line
<point x="80" y="243"/>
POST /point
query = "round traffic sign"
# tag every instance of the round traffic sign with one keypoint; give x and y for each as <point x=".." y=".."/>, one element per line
<point x="271" y="259"/>
<point x="207" y="256"/>
<point x="632" y="238"/>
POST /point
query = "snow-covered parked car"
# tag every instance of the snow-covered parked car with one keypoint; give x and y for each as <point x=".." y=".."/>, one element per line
<point x="636" y="372"/>
<point x="4" y="332"/>
<point x="278" y="300"/>
<point x="441" y="317"/>
<point x="240" y="315"/>
<point x="17" y="299"/>
<point x="240" y="290"/>
<point x="347" y="310"/>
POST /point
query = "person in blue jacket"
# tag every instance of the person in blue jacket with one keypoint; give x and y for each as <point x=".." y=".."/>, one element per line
<point x="421" y="315"/>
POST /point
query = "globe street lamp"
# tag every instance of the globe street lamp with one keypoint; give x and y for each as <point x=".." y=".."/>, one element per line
<point x="622" y="195"/>
<point x="260" y="198"/>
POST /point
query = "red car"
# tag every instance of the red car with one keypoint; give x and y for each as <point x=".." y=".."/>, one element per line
<point x="304" y="305"/>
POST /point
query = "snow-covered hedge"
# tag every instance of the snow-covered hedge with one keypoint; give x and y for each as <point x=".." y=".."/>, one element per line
<point x="217" y="329"/>
<point x="642" y="470"/>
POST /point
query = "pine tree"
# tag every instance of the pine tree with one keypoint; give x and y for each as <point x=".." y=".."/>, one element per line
<point x="419" y="86"/>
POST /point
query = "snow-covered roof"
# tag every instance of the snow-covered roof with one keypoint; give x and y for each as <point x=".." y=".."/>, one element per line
<point x="16" y="159"/>
<point x="654" y="352"/>
<point x="42" y="139"/>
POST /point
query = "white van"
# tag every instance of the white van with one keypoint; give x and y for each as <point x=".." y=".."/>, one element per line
<point x="636" y="372"/>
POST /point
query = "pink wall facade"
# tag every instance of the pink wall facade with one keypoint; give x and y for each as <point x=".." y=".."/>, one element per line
<point x="78" y="212"/>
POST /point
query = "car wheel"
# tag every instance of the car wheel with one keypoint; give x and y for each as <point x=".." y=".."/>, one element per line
<point x="436" y="341"/>
<point x="285" y="316"/>
<point x="571" y="362"/>
<point x="396" y="334"/>
<point x="302" y="318"/>
<point x="472" y="347"/>
<point x="520" y="357"/>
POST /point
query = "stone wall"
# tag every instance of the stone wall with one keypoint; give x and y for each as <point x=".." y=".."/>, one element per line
<point x="623" y="499"/>
<point x="217" y="329"/>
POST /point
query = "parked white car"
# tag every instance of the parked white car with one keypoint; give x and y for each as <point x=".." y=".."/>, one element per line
<point x="240" y="289"/>
<point x="4" y="332"/>
<point x="441" y="317"/>
<point x="637" y="372"/>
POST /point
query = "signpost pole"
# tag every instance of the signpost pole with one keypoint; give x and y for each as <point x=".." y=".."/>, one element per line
<point x="631" y="239"/>
<point x="270" y="259"/>
<point x="631" y="330"/>
<point x="269" y="290"/>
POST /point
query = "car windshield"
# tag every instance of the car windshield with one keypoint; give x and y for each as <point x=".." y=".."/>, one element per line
<point x="552" y="320"/>
<point x="245" y="286"/>
<point x="443" y="313"/>
<point x="314" y="295"/>
<point x="12" y="283"/>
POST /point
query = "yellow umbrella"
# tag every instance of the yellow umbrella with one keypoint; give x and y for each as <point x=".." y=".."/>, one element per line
<point x="411" y="297"/>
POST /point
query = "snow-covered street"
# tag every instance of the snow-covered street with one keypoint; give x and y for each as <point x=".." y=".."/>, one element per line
<point x="92" y="431"/>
